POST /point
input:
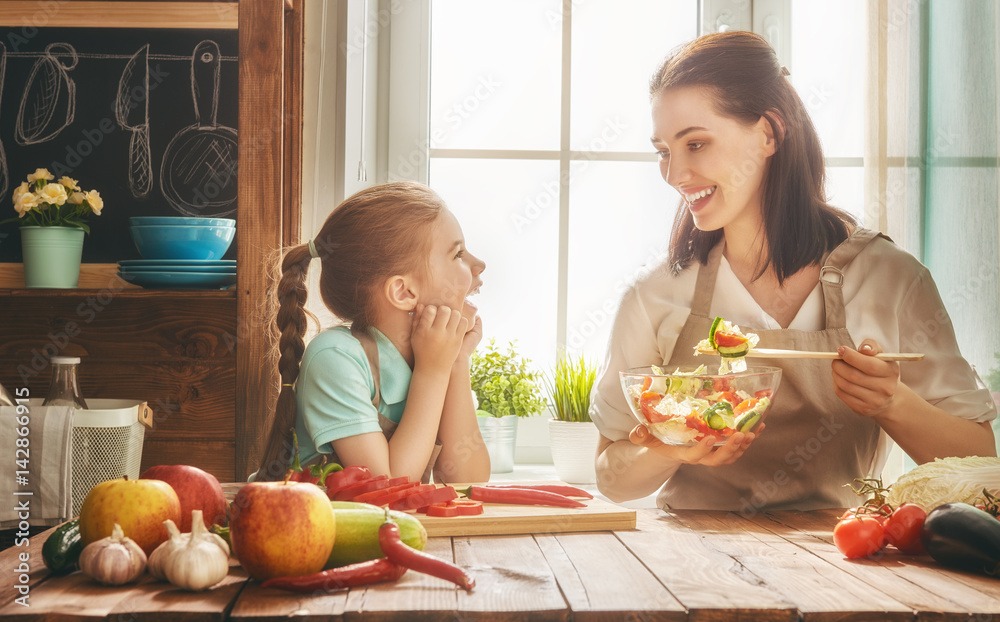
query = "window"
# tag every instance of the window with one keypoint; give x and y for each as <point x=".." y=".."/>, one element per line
<point x="536" y="133"/>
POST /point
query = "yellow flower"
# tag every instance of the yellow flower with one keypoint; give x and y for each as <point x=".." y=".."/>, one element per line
<point x="76" y="198"/>
<point x="95" y="201"/>
<point x="40" y="173"/>
<point x="53" y="194"/>
<point x="25" y="203"/>
<point x="20" y="190"/>
<point x="71" y="184"/>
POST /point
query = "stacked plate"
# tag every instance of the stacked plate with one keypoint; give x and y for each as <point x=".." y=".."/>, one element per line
<point x="179" y="273"/>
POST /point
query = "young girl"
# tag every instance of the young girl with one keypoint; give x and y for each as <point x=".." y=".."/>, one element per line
<point x="389" y="388"/>
<point x="755" y="241"/>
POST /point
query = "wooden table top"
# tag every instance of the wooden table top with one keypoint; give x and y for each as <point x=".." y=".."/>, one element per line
<point x="686" y="565"/>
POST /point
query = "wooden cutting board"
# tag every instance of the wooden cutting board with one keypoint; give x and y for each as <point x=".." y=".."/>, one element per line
<point x="504" y="519"/>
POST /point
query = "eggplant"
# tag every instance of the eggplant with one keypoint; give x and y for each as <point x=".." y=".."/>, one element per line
<point x="962" y="536"/>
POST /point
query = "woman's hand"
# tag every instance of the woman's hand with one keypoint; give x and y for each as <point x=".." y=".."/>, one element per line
<point x="437" y="335"/>
<point x="866" y="384"/>
<point x="705" y="452"/>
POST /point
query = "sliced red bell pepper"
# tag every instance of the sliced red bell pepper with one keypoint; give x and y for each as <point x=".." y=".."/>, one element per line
<point x="729" y="340"/>
<point x="647" y="403"/>
<point x="466" y="507"/>
<point x="443" y="510"/>
<point x="347" y="477"/>
<point x="421" y="499"/>
<point x="386" y="496"/>
<point x="763" y="393"/>
<point x="376" y="483"/>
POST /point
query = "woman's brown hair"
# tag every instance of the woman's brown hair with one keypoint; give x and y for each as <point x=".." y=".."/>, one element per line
<point x="747" y="82"/>
<point x="371" y="236"/>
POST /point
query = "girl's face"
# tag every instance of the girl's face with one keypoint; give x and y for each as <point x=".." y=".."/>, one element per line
<point x="452" y="273"/>
<point x="715" y="162"/>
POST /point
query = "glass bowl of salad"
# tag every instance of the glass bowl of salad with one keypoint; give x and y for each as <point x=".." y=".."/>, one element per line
<point x="684" y="406"/>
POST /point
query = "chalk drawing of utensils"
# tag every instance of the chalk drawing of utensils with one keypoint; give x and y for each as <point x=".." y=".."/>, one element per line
<point x="49" y="100"/>
<point x="4" y="177"/>
<point x="198" y="172"/>
<point x="132" y="112"/>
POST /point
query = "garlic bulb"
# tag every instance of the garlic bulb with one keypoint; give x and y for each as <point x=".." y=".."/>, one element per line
<point x="176" y="539"/>
<point x="199" y="560"/>
<point x="114" y="560"/>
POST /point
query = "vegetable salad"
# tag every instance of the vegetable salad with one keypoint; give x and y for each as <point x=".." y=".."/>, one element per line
<point x="684" y="410"/>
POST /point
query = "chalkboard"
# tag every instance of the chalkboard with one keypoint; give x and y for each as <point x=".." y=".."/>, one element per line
<point x="147" y="117"/>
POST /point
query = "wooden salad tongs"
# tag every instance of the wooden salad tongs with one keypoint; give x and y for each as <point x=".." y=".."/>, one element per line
<point x="775" y="353"/>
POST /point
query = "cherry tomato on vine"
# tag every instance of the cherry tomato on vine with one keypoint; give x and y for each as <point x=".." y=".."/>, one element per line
<point x="902" y="529"/>
<point x="859" y="536"/>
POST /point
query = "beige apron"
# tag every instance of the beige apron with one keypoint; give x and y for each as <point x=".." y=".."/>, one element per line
<point x="388" y="425"/>
<point x="814" y="444"/>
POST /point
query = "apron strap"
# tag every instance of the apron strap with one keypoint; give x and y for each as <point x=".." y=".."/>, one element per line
<point x="831" y="274"/>
<point x="371" y="352"/>
<point x="705" y="285"/>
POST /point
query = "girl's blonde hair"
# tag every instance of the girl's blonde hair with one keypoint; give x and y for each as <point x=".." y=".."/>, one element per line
<point x="374" y="234"/>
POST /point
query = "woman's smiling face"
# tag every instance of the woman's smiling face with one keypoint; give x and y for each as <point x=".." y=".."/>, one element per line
<point x="715" y="162"/>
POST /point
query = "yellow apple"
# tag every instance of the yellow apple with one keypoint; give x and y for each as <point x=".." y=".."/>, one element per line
<point x="139" y="505"/>
<point x="281" y="529"/>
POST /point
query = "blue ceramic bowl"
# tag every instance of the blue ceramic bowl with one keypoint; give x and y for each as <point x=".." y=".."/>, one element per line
<point x="181" y="220"/>
<point x="182" y="241"/>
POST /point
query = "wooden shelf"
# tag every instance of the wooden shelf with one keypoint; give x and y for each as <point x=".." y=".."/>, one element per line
<point x="124" y="293"/>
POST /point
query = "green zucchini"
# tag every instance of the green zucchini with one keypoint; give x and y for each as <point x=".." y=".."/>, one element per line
<point x="62" y="549"/>
<point x="711" y="333"/>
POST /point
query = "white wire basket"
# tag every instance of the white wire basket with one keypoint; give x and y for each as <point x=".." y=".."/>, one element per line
<point x="107" y="443"/>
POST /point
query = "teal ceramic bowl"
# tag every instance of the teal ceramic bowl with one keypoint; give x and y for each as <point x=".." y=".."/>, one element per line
<point x="141" y="221"/>
<point x="182" y="241"/>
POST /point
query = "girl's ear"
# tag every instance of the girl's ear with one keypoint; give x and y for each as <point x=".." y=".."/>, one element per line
<point x="401" y="293"/>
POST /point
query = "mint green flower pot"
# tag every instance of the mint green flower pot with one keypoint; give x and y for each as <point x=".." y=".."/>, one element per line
<point x="51" y="256"/>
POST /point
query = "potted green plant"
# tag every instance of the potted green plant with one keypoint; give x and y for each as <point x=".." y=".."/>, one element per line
<point x="51" y="217"/>
<point x="506" y="388"/>
<point x="573" y="437"/>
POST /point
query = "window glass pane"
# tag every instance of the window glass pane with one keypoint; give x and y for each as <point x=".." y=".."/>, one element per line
<point x="495" y="74"/>
<point x="845" y="188"/>
<point x="513" y="225"/>
<point x="828" y="70"/>
<point x="616" y="48"/>
<point x="620" y="218"/>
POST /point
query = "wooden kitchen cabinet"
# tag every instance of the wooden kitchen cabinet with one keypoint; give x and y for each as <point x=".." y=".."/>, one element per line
<point x="200" y="358"/>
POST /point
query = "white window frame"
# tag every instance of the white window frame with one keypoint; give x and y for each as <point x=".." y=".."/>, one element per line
<point x="408" y="123"/>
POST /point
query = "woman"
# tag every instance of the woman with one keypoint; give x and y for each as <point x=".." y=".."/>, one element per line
<point x="756" y="243"/>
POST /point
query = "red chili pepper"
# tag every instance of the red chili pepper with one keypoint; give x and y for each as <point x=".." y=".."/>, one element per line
<point x="520" y="496"/>
<point x="347" y="477"/>
<point x="559" y="489"/>
<point x="398" y="552"/>
<point x="363" y="573"/>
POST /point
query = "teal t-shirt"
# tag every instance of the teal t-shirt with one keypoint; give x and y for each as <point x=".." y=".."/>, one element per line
<point x="335" y="388"/>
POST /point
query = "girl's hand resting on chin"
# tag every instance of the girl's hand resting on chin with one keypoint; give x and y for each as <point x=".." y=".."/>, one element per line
<point x="437" y="334"/>
<point x="866" y="384"/>
<point x="705" y="452"/>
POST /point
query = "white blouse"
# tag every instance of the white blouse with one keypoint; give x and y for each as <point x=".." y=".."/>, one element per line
<point x="889" y="296"/>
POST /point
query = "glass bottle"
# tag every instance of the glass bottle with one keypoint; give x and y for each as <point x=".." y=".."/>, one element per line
<point x="64" y="390"/>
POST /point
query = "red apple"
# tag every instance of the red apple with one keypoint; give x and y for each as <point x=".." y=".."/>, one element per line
<point x="197" y="490"/>
<point x="281" y="529"/>
<point x="139" y="505"/>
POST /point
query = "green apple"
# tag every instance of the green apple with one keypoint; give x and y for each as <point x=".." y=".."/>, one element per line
<point x="139" y="505"/>
<point x="281" y="529"/>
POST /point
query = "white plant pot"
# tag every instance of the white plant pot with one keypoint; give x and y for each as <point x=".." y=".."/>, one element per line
<point x="574" y="448"/>
<point x="500" y="436"/>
